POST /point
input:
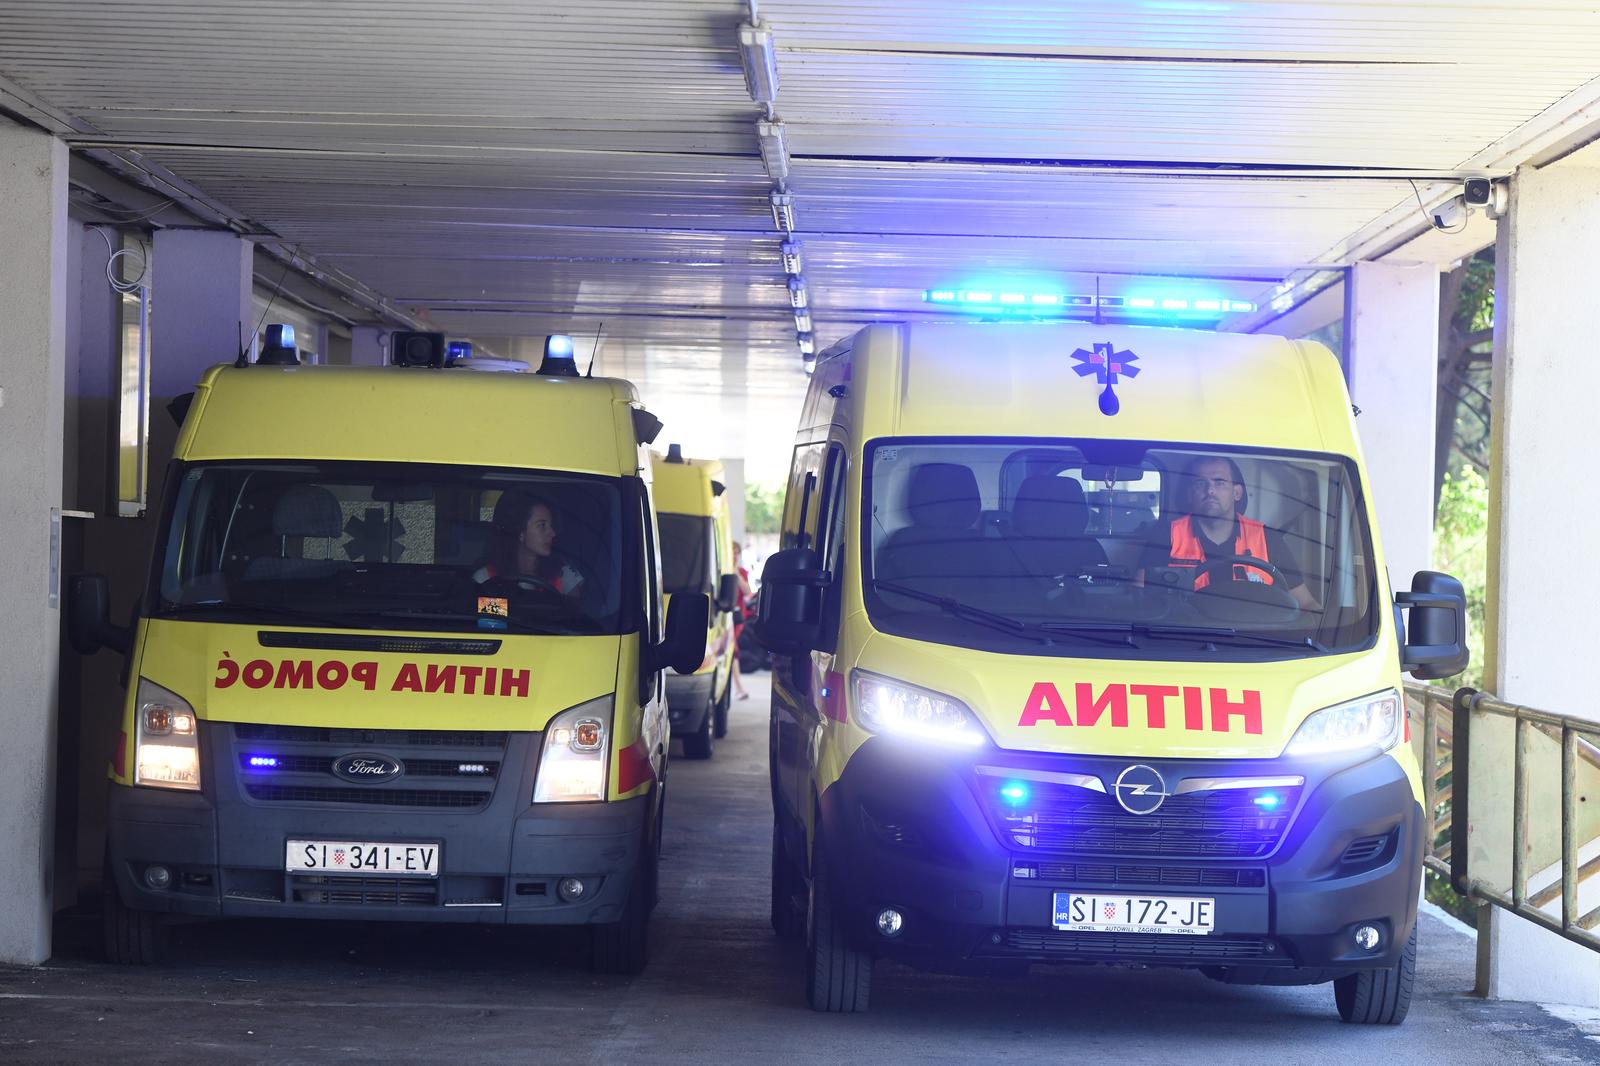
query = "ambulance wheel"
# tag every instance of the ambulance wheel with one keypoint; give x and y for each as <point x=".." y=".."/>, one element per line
<point x="697" y="745"/>
<point x="132" y="937"/>
<point x="838" y="977"/>
<point x="1379" y="997"/>
<point x="720" y="711"/>
<point x="787" y="920"/>
<point x="623" y="946"/>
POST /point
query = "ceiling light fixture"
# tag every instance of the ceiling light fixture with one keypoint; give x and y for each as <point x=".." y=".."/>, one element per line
<point x="797" y="293"/>
<point x="760" y="59"/>
<point x="774" y="150"/>
<point x="790" y="250"/>
<point x="782" y="210"/>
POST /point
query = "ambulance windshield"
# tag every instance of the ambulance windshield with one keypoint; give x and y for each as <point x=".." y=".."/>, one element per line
<point x="1134" y="549"/>
<point x="395" y="546"/>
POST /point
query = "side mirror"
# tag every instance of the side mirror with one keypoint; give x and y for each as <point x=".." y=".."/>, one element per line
<point x="791" y="600"/>
<point x="1436" y="632"/>
<point x="684" y="645"/>
<point x="728" y="592"/>
<point x="89" y="625"/>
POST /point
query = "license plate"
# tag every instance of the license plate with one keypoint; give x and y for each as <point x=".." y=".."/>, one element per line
<point x="1082" y="913"/>
<point x="362" y="857"/>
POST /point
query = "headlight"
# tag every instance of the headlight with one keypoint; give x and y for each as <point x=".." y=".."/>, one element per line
<point x="576" y="751"/>
<point x="166" y="749"/>
<point x="1371" y="722"/>
<point x="898" y="709"/>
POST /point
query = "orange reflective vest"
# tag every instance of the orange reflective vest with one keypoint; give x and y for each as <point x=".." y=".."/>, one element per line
<point x="1251" y="541"/>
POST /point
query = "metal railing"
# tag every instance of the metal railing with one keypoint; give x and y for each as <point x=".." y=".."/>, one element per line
<point x="1465" y="804"/>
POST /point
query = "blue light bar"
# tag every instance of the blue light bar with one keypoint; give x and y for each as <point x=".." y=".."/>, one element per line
<point x="262" y="762"/>
<point x="1268" y="801"/>
<point x="1025" y="303"/>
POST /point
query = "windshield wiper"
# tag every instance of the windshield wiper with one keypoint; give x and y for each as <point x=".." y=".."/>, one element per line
<point x="517" y="624"/>
<point x="259" y="610"/>
<point x="1207" y="634"/>
<point x="966" y="611"/>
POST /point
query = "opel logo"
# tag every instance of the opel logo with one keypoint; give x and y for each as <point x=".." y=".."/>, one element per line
<point x="366" y="766"/>
<point x="1140" y="789"/>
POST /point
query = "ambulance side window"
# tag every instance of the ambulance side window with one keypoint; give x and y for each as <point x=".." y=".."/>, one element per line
<point x="831" y="524"/>
<point x="648" y="680"/>
<point x="800" y="503"/>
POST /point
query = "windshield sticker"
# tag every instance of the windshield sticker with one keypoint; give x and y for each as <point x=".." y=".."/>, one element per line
<point x="1045" y="704"/>
<point x="494" y="606"/>
<point x="1106" y="365"/>
<point x="334" y="674"/>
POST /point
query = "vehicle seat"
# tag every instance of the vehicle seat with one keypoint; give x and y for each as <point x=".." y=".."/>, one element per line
<point x="935" y="553"/>
<point x="302" y="512"/>
<point x="1049" y="520"/>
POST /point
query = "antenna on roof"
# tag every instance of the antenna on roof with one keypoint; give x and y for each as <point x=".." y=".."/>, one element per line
<point x="243" y="359"/>
<point x="596" y="349"/>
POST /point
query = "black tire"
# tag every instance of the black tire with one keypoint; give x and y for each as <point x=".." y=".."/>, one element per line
<point x="788" y="921"/>
<point x="1379" y="997"/>
<point x="719" y="711"/>
<point x="623" y="946"/>
<point x="132" y="937"/>
<point x="697" y="745"/>
<point x="838" y="977"/>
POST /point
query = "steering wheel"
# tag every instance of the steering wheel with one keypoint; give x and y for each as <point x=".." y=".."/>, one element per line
<point x="1277" y="593"/>
<point x="524" y="582"/>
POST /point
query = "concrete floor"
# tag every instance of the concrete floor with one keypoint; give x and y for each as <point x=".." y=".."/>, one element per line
<point x="719" y="988"/>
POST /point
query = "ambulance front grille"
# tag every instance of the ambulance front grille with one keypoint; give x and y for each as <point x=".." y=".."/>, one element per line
<point x="456" y="770"/>
<point x="367" y="891"/>
<point x="1201" y="825"/>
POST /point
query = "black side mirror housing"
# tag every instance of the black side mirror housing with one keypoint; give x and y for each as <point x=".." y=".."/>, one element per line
<point x="728" y="593"/>
<point x="89" y="626"/>
<point x="683" y="647"/>
<point x="1436" y="632"/>
<point x="792" y="583"/>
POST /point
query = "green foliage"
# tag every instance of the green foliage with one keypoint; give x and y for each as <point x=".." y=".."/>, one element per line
<point x="763" y="508"/>
<point x="1461" y="548"/>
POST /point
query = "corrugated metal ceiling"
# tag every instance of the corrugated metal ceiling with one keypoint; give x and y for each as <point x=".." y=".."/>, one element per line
<point x="508" y="168"/>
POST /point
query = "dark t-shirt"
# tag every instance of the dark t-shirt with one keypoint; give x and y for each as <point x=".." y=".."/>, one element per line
<point x="1158" y="552"/>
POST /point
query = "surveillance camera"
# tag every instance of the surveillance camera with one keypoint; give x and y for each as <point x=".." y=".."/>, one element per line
<point x="1492" y="197"/>
<point x="1450" y="214"/>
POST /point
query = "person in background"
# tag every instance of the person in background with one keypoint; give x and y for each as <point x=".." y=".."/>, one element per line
<point x="744" y="610"/>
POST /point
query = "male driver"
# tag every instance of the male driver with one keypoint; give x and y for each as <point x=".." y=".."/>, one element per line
<point x="1216" y="528"/>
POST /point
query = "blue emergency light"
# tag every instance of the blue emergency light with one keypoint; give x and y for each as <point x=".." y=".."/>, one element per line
<point x="1027" y="302"/>
<point x="262" y="762"/>
<point x="1014" y="793"/>
<point x="558" y="360"/>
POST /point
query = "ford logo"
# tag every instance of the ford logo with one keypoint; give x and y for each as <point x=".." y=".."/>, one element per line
<point x="366" y="766"/>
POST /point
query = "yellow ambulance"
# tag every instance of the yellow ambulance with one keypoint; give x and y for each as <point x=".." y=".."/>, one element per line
<point x="697" y="556"/>
<point x="1085" y="652"/>
<point x="399" y="658"/>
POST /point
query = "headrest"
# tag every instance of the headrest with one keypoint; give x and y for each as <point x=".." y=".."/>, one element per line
<point x="307" y="511"/>
<point x="943" y="496"/>
<point x="1050" y="507"/>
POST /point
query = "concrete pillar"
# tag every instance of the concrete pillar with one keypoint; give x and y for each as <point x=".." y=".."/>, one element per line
<point x="733" y="477"/>
<point x="1542" y="500"/>
<point x="366" y="348"/>
<point x="201" y="308"/>
<point x="33" y="316"/>
<point x="1393" y="347"/>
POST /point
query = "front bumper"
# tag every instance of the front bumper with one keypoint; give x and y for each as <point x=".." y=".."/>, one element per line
<point x="689" y="701"/>
<point x="225" y="851"/>
<point x="916" y="833"/>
